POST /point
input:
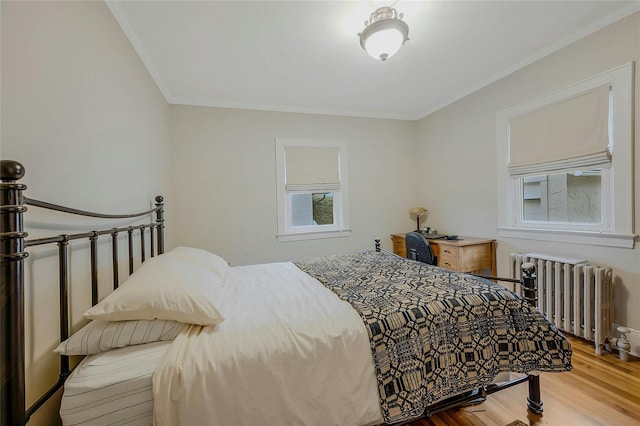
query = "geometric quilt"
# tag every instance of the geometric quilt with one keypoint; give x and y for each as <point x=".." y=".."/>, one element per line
<point x="436" y="333"/>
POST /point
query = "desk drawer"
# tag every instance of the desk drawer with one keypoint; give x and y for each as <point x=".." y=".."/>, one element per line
<point x="448" y="258"/>
<point x="476" y="258"/>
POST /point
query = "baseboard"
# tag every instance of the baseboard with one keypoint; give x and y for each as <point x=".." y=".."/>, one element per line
<point x="633" y="336"/>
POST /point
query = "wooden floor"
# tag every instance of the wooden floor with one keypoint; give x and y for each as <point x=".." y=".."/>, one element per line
<point x="598" y="391"/>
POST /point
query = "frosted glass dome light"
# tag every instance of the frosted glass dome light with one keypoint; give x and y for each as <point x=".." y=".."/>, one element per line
<point x="384" y="33"/>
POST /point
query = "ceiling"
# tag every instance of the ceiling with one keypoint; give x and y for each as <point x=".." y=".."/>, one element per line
<point x="305" y="56"/>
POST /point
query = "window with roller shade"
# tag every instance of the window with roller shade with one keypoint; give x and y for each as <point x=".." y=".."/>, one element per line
<point x="565" y="161"/>
<point x="311" y="188"/>
<point x="559" y="155"/>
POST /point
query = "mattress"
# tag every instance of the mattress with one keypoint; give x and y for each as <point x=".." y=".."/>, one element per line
<point x="113" y="388"/>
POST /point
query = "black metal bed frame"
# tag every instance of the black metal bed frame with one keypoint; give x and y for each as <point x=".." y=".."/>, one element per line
<point x="13" y="243"/>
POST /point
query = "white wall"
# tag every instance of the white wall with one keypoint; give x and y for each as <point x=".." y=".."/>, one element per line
<point x="460" y="143"/>
<point x="82" y="114"/>
<point x="225" y="180"/>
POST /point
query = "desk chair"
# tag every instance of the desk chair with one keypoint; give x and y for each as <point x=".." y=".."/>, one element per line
<point x="418" y="248"/>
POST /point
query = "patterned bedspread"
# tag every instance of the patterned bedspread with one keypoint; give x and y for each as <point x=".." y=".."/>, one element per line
<point x="435" y="333"/>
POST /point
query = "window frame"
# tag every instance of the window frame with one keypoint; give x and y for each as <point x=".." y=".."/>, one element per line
<point x="616" y="229"/>
<point x="286" y="230"/>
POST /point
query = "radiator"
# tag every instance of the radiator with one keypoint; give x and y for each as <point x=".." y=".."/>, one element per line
<point x="575" y="296"/>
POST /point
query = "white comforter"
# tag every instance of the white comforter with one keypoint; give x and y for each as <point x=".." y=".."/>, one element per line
<point x="289" y="352"/>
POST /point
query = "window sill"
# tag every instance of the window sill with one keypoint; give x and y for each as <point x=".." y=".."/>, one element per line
<point x="316" y="235"/>
<point x="571" y="237"/>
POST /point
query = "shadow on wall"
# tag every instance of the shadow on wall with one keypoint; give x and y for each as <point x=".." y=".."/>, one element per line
<point x="620" y="299"/>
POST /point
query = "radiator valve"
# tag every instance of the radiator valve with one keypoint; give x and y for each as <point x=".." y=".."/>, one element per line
<point x="623" y="344"/>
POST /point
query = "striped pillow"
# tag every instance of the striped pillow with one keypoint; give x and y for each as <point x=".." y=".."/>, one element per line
<point x="101" y="336"/>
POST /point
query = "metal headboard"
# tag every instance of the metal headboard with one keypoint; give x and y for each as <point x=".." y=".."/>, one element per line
<point x="13" y="242"/>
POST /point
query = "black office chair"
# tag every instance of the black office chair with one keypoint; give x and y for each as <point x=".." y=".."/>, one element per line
<point x="418" y="248"/>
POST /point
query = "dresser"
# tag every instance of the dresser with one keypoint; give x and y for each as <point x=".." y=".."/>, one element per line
<point x="468" y="254"/>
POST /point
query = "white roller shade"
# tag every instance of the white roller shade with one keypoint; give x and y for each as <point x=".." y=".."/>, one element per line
<point x="310" y="165"/>
<point x="569" y="134"/>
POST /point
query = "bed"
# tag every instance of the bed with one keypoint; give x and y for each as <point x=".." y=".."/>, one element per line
<point x="357" y="339"/>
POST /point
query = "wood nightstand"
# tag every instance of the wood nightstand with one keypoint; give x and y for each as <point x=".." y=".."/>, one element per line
<point x="468" y="254"/>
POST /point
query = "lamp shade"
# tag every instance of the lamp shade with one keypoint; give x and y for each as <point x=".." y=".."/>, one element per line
<point x="417" y="210"/>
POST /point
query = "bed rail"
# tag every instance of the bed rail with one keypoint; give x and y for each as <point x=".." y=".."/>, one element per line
<point x="13" y="244"/>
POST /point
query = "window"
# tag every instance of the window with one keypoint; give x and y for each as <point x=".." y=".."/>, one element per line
<point x="565" y="164"/>
<point x="566" y="200"/>
<point x="311" y="189"/>
<point x="312" y="208"/>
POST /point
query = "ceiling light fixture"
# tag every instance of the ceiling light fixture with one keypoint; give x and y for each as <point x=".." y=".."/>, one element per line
<point x="384" y="34"/>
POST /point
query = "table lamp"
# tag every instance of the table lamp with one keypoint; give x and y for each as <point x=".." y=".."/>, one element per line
<point x="418" y="211"/>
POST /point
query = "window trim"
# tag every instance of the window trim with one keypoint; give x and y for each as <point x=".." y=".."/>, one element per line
<point x="340" y="228"/>
<point x="618" y="229"/>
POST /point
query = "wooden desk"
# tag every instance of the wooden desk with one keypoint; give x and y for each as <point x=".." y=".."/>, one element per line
<point x="468" y="254"/>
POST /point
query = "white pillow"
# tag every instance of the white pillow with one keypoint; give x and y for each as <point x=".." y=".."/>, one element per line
<point x="101" y="336"/>
<point x="217" y="264"/>
<point x="164" y="287"/>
